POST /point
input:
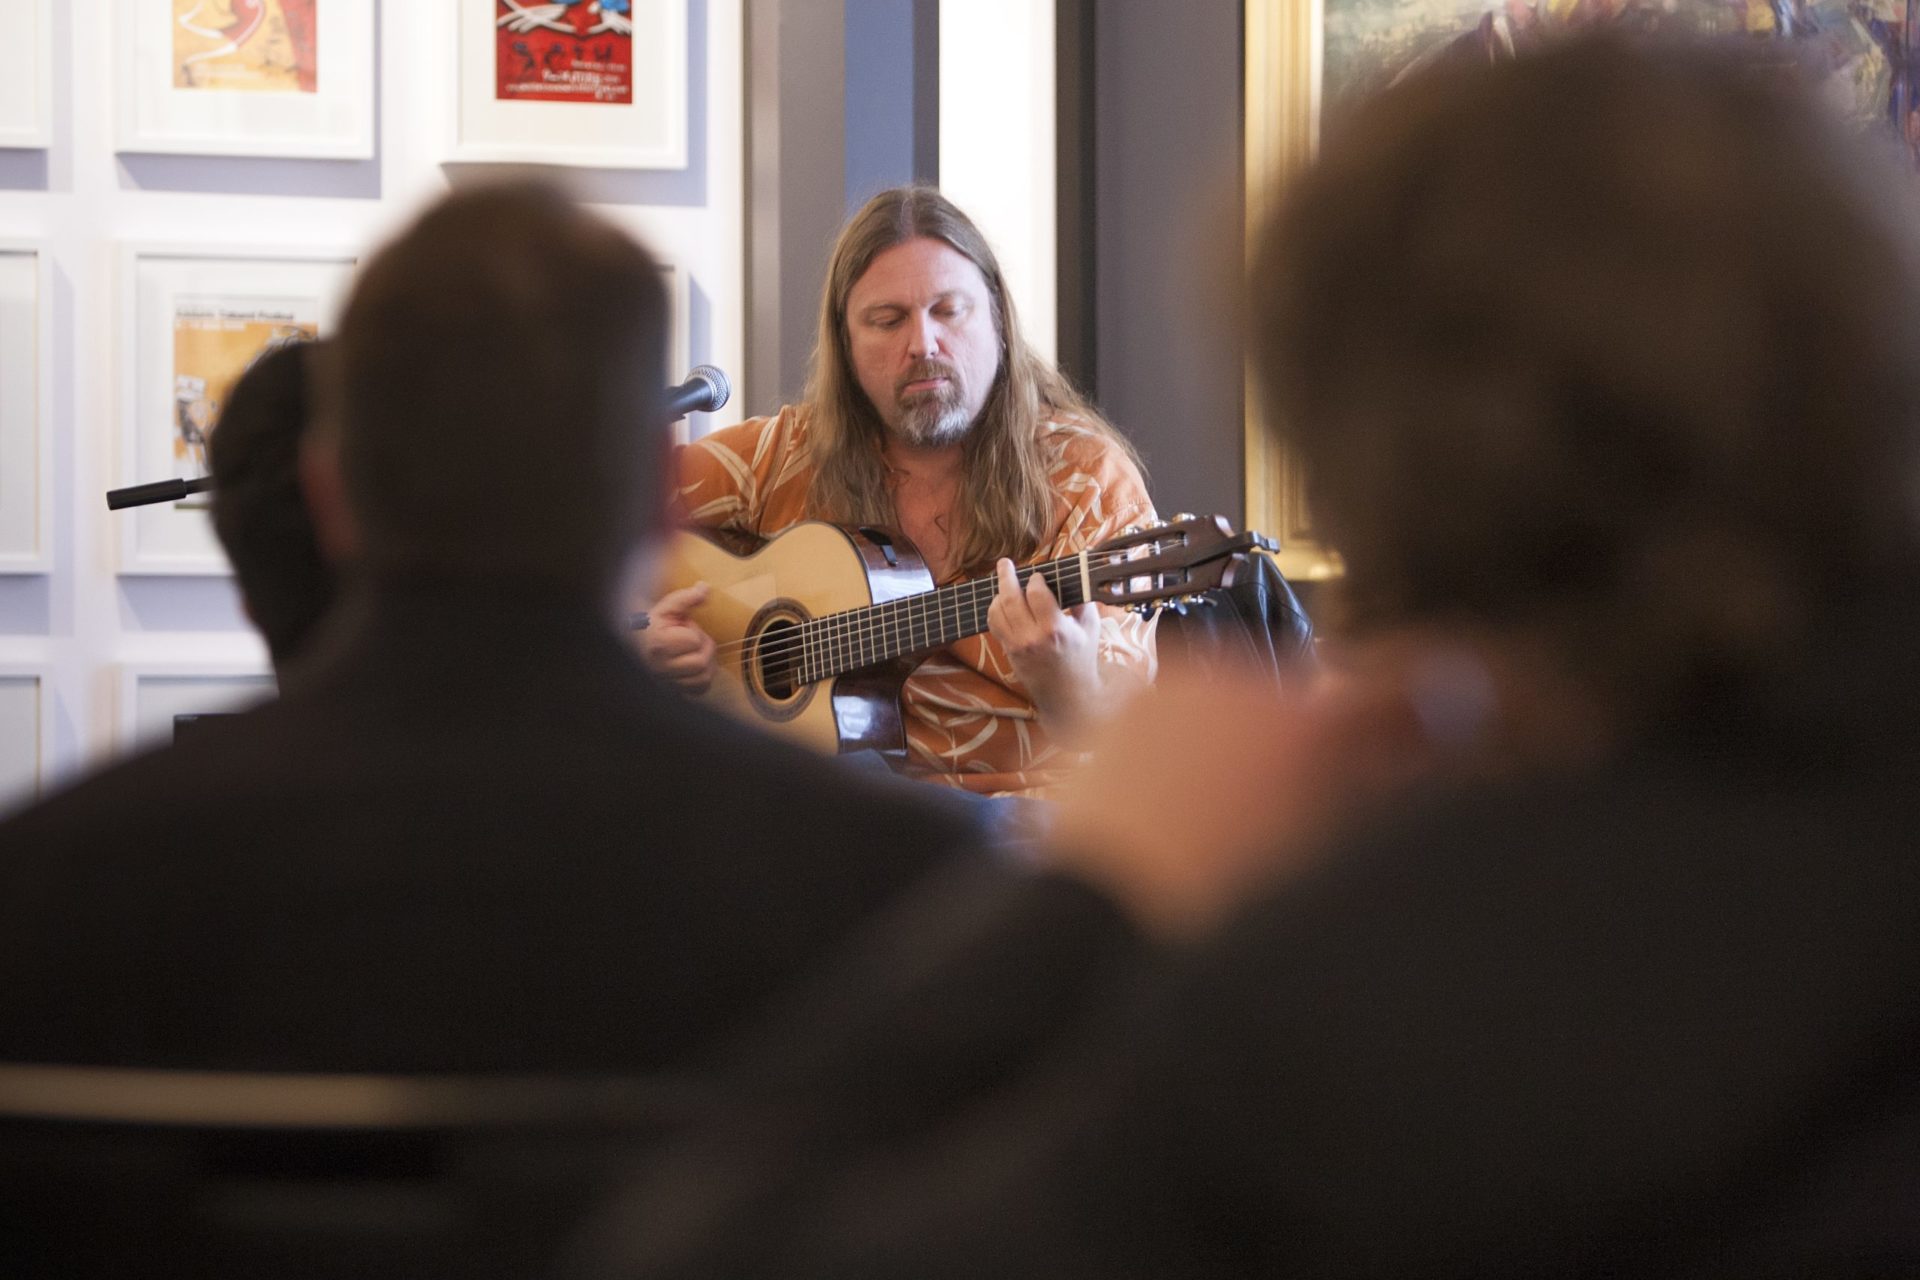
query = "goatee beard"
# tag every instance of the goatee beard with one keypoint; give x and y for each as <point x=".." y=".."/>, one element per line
<point x="934" y="419"/>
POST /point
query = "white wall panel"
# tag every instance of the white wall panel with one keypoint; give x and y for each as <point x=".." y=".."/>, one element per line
<point x="80" y="623"/>
<point x="997" y="155"/>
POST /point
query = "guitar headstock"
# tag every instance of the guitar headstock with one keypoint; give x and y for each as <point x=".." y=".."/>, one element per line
<point x="1183" y="557"/>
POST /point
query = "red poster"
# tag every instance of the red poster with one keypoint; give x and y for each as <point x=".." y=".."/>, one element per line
<point x="573" y="51"/>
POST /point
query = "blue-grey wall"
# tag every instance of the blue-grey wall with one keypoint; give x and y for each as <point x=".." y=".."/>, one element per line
<point x="842" y="100"/>
<point x="1167" y="241"/>
<point x="892" y="61"/>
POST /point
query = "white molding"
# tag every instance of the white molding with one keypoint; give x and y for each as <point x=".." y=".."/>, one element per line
<point x="13" y="792"/>
<point x="36" y="49"/>
<point x="26" y="439"/>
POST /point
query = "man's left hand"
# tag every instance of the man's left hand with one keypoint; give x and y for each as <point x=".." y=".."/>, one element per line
<point x="1055" y="652"/>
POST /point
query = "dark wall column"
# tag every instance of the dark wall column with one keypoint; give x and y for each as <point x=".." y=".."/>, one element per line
<point x="1075" y="133"/>
<point x="1159" y="155"/>
<point x="795" y="161"/>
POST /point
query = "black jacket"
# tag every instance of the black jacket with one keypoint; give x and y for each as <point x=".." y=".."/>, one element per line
<point x="472" y="835"/>
<point x="1656" y="1018"/>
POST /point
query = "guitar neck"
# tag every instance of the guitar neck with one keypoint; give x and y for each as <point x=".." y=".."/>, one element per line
<point x="861" y="638"/>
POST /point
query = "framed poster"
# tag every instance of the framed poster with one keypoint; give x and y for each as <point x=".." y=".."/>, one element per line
<point x="1310" y="62"/>
<point x="26" y="73"/>
<point x="595" y="83"/>
<point x="26" y="725"/>
<point x="153" y="694"/>
<point x="245" y="77"/>
<point x="26" y="434"/>
<point x="192" y="320"/>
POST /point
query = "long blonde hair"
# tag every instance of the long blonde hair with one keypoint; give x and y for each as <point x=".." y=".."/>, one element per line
<point x="1007" y="504"/>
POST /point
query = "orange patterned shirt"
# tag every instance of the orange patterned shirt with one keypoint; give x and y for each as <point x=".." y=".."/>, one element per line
<point x="968" y="719"/>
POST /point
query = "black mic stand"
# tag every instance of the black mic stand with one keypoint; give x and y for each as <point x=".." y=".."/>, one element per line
<point x="705" y="391"/>
<point x="141" y="495"/>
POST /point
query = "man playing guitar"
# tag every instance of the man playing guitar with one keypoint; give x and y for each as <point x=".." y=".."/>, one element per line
<point x="927" y="412"/>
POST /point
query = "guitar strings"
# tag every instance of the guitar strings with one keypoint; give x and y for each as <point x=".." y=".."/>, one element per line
<point x="886" y="630"/>
<point x="1057" y="573"/>
<point x="886" y="623"/>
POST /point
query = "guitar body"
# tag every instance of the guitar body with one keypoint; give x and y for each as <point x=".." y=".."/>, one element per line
<point x="761" y="594"/>
<point x="817" y="629"/>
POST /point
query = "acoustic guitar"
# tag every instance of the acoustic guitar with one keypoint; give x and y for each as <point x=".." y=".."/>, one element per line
<point x="818" y="628"/>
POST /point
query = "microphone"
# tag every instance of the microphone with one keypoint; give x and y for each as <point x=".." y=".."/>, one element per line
<point x="141" y="495"/>
<point x="705" y="391"/>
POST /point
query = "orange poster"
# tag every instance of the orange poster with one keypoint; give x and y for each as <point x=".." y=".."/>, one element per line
<point x="263" y="46"/>
<point x="213" y="343"/>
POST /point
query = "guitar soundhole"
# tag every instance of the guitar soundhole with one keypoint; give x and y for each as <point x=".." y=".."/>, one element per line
<point x="776" y="659"/>
<point x="771" y="661"/>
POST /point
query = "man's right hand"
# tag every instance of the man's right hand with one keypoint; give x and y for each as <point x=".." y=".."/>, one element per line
<point x="673" y="646"/>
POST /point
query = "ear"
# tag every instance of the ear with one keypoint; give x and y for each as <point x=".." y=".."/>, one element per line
<point x="321" y="484"/>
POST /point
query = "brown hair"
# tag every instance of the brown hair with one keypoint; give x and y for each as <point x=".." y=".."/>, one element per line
<point x="1007" y="505"/>
<point x="258" y="511"/>
<point x="499" y="376"/>
<point x="1613" y="344"/>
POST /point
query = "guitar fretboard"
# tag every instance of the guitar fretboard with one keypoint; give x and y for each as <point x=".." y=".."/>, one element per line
<point x="859" y="638"/>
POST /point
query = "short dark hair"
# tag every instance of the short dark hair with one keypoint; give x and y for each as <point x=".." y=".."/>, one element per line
<point x="499" y="376"/>
<point x="258" y="512"/>
<point x="1614" y="342"/>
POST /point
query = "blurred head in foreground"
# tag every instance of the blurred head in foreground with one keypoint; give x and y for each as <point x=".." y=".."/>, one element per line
<point x="1614" y="349"/>
<point x="258" y="511"/>
<point x="495" y="399"/>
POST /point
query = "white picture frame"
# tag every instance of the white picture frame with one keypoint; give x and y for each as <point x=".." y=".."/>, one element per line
<point x="26" y="734"/>
<point x="26" y="73"/>
<point x="151" y="694"/>
<point x="26" y="418"/>
<point x="195" y="313"/>
<point x="186" y="86"/>
<point x="500" y="117"/>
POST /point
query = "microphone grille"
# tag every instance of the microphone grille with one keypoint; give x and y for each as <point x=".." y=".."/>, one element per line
<point x="720" y="389"/>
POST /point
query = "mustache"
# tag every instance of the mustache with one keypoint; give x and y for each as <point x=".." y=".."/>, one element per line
<point x="924" y="369"/>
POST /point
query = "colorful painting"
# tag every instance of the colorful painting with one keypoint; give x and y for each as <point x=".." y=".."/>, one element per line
<point x="572" y="51"/>
<point x="1858" y="49"/>
<point x="214" y="342"/>
<point x="263" y="46"/>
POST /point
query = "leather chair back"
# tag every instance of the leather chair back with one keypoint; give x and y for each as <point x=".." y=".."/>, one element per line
<point x="109" y="1172"/>
<point x="1254" y="622"/>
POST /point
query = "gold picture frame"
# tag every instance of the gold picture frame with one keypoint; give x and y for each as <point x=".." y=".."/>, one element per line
<point x="1282" y="103"/>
